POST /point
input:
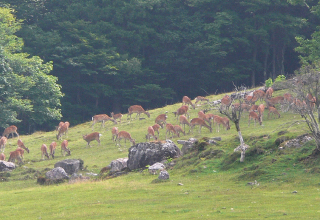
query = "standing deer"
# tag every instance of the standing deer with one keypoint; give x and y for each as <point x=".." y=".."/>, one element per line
<point x="226" y="102"/>
<point x="64" y="148"/>
<point x="184" y="121"/>
<point x="114" y="133"/>
<point x="90" y="137"/>
<point x="15" y="155"/>
<point x="260" y="111"/>
<point x="187" y="101"/>
<point x="255" y="117"/>
<point x="204" y="117"/>
<point x="250" y="99"/>
<point x="63" y="130"/>
<point x="3" y="142"/>
<point x="53" y="147"/>
<point x="178" y="130"/>
<point x="101" y="118"/>
<point x="2" y="156"/>
<point x="126" y="136"/>
<point x="220" y="120"/>
<point x="170" y="129"/>
<point x="183" y="110"/>
<point x="269" y="92"/>
<point x="161" y="120"/>
<point x="116" y="116"/>
<point x="21" y="151"/>
<point x="136" y="109"/>
<point x="44" y="151"/>
<point x="259" y="94"/>
<point x="21" y="144"/>
<point x="200" y="122"/>
<point x="274" y="111"/>
<point x="273" y="101"/>
<point x="150" y="134"/>
<point x="254" y="108"/>
<point x="10" y="130"/>
<point x="156" y="128"/>
<point x="200" y="99"/>
<point x="59" y="126"/>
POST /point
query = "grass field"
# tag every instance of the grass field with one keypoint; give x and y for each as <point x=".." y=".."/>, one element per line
<point x="202" y="185"/>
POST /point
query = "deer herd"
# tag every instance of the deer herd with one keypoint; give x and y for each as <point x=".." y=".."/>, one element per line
<point x="204" y="119"/>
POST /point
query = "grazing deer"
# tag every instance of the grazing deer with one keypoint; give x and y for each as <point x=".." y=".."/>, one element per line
<point x="114" y="133"/>
<point x="200" y="122"/>
<point x="161" y="120"/>
<point x="59" y="126"/>
<point x="242" y="107"/>
<point x="187" y="101"/>
<point x="150" y="134"/>
<point x="3" y="142"/>
<point x="273" y="101"/>
<point x="156" y="128"/>
<point x="126" y="136"/>
<point x="184" y="121"/>
<point x="255" y="117"/>
<point x="116" y="116"/>
<point x="226" y="102"/>
<point x="274" y="111"/>
<point x="259" y="94"/>
<point x="64" y="148"/>
<point x="250" y="99"/>
<point x="21" y="151"/>
<point x="21" y="144"/>
<point x="183" y="110"/>
<point x="269" y="92"/>
<point x="2" y="156"/>
<point x="170" y="129"/>
<point x="200" y="99"/>
<point x="260" y="111"/>
<point x="210" y="118"/>
<point x="44" y="151"/>
<point x="178" y="130"/>
<point x="220" y="120"/>
<point x="136" y="109"/>
<point x="15" y="155"/>
<point x="63" y="130"/>
<point x="90" y="137"/>
<point x="53" y="147"/>
<point x="102" y="118"/>
<point x="204" y="117"/>
<point x="10" y="130"/>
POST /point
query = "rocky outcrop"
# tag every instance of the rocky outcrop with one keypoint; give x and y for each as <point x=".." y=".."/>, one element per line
<point x="6" y="166"/>
<point x="118" y="165"/>
<point x="164" y="175"/>
<point x="143" y="154"/>
<point x="155" y="168"/>
<point x="189" y="145"/>
<point x="57" y="173"/>
<point x="70" y="166"/>
<point x="296" y="142"/>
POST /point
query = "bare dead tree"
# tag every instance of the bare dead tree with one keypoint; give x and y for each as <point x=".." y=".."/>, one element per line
<point x="234" y="115"/>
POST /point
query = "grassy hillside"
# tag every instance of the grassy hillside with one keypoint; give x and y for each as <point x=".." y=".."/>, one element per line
<point x="214" y="184"/>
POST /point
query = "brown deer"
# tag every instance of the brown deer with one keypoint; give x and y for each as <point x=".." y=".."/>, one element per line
<point x="161" y="120"/>
<point x="200" y="99"/>
<point x="126" y="136"/>
<point x="136" y="109"/>
<point x="2" y="156"/>
<point x="21" y="144"/>
<point x="200" y="122"/>
<point x="114" y="133"/>
<point x="288" y="98"/>
<point x="63" y="130"/>
<point x="10" y="130"/>
<point x="116" y="116"/>
<point x="253" y="108"/>
<point x="183" y="110"/>
<point x="178" y="130"/>
<point x="21" y="151"/>
<point x="221" y="120"/>
<point x="273" y="101"/>
<point x="15" y="155"/>
<point x="53" y="147"/>
<point x="156" y="128"/>
<point x="59" y="126"/>
<point x="91" y="137"/>
<point x="187" y="101"/>
<point x="3" y="142"/>
<point x="226" y="102"/>
<point x="250" y="99"/>
<point x="244" y="106"/>
<point x="269" y="93"/>
<point x="150" y="134"/>
<point x="260" y="111"/>
<point x="259" y="94"/>
<point x="170" y="129"/>
<point x="102" y="118"/>
<point x="274" y="111"/>
<point x="44" y="151"/>
<point x="311" y="100"/>
<point x="184" y="121"/>
<point x="64" y="148"/>
<point x="255" y="117"/>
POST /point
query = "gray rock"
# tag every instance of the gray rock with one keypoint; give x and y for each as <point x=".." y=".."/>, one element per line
<point x="6" y="166"/>
<point x="156" y="167"/>
<point x="118" y="165"/>
<point x="71" y="166"/>
<point x="164" y="175"/>
<point x="144" y="154"/>
<point x="188" y="145"/>
<point x="57" y="173"/>
<point x="296" y="142"/>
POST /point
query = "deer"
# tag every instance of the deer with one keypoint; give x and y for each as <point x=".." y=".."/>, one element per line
<point x="52" y="148"/>
<point x="156" y="128"/>
<point x="288" y="98"/>
<point x="150" y="134"/>
<point x="114" y="132"/>
<point x="200" y="122"/>
<point x="59" y="126"/>
<point x="10" y="130"/>
<point x="90" y="137"/>
<point x="259" y="94"/>
<point x="161" y="120"/>
<point x="21" y="151"/>
<point x="253" y="108"/>
<point x="221" y="120"/>
<point x="116" y="116"/>
<point x="269" y="93"/>
<point x="126" y="136"/>
<point x="226" y="102"/>
<point x="178" y="130"/>
<point x="260" y="111"/>
<point x="204" y="117"/>
<point x="3" y="142"/>
<point x="44" y="151"/>
<point x="184" y="121"/>
<point x="102" y="118"/>
<point x="21" y="144"/>
<point x="200" y="99"/>
<point x="311" y="100"/>
<point x="136" y="109"/>
<point x="170" y="129"/>
<point x="250" y="99"/>
<point x="255" y="117"/>
<point x="2" y="156"/>
<point x="63" y="130"/>
<point x="273" y="101"/>
<point x="15" y="155"/>
<point x="187" y="101"/>
<point x="64" y="148"/>
<point x="210" y="118"/>
<point x="183" y="110"/>
<point x="274" y="111"/>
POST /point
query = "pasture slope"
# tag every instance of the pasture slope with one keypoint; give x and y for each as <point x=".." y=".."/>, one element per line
<point x="209" y="184"/>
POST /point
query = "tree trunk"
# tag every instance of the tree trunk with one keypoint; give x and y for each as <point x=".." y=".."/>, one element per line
<point x="265" y="65"/>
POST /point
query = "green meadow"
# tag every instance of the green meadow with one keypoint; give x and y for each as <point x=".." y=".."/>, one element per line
<point x="206" y="184"/>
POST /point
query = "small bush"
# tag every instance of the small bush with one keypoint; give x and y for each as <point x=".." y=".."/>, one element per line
<point x="268" y="83"/>
<point x="280" y="78"/>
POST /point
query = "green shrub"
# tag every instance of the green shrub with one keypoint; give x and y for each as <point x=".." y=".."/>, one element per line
<point x="269" y="83"/>
<point x="280" y="78"/>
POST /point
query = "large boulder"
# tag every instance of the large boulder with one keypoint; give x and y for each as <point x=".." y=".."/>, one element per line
<point x="164" y="175"/>
<point x="6" y="166"/>
<point x="71" y="166"/>
<point x="118" y="165"/>
<point x="143" y="154"/>
<point x="57" y="173"/>
<point x="156" y="167"/>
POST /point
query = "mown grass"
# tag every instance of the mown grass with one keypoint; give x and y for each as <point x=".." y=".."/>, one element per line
<point x="214" y="184"/>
